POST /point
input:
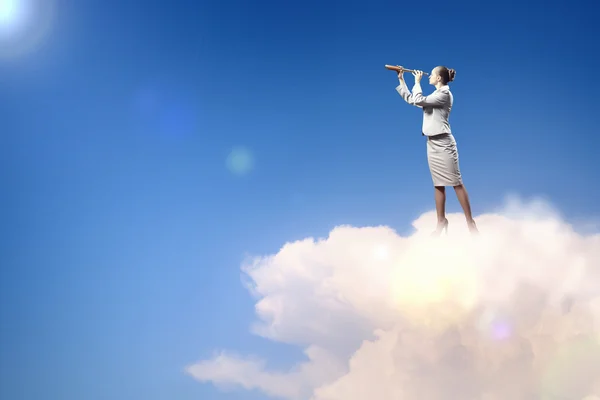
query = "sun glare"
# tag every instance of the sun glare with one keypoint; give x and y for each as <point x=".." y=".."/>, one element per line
<point x="13" y="15"/>
<point x="23" y="25"/>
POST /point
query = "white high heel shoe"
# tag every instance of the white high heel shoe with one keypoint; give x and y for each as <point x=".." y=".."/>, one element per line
<point x="473" y="227"/>
<point x="443" y="227"/>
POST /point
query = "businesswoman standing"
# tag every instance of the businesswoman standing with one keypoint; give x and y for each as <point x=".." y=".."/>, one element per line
<point x="442" y="152"/>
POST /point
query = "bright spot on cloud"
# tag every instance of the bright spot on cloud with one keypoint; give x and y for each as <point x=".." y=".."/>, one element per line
<point x="386" y="317"/>
<point x="23" y="25"/>
<point x="240" y="161"/>
<point x="381" y="252"/>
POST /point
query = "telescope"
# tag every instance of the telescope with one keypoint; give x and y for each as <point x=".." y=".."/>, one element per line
<point x="401" y="69"/>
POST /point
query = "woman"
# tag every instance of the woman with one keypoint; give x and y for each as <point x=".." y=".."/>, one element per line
<point x="442" y="153"/>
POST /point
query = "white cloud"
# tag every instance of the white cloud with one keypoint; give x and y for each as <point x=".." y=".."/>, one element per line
<point x="388" y="317"/>
<point x="250" y="373"/>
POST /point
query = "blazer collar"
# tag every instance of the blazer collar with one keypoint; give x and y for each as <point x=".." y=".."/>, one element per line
<point x="444" y="88"/>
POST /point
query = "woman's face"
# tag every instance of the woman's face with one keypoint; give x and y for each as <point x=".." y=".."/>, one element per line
<point x="434" y="77"/>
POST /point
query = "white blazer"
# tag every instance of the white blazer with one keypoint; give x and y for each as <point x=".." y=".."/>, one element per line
<point x="436" y="107"/>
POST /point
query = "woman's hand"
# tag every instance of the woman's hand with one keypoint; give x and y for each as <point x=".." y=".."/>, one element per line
<point x="418" y="75"/>
<point x="400" y="73"/>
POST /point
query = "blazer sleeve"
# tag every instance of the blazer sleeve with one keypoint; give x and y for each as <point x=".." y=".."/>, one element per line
<point x="437" y="99"/>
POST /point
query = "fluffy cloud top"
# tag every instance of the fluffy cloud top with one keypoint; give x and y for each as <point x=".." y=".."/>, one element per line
<point x="511" y="314"/>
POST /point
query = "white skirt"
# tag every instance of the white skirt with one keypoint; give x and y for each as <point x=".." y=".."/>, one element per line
<point x="442" y="157"/>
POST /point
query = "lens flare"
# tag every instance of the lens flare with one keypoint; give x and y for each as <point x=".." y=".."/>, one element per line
<point x="240" y="161"/>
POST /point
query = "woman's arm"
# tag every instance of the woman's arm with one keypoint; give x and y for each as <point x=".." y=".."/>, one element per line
<point x="436" y="99"/>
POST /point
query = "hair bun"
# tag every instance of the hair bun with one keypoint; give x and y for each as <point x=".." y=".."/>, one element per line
<point x="451" y="74"/>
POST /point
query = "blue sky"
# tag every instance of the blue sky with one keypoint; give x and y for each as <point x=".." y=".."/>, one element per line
<point x="123" y="229"/>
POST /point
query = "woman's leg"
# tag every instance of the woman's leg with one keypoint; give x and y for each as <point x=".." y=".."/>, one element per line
<point x="463" y="199"/>
<point x="440" y="207"/>
<point x="440" y="203"/>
